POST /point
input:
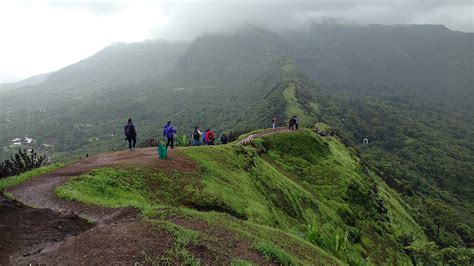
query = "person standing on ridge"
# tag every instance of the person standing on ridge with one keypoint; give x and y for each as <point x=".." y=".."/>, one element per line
<point x="197" y="136"/>
<point x="274" y="120"/>
<point x="297" y="121"/>
<point x="130" y="134"/>
<point x="291" y="123"/>
<point x="169" y="132"/>
<point x="209" y="137"/>
<point x="203" y="141"/>
<point x="224" y="138"/>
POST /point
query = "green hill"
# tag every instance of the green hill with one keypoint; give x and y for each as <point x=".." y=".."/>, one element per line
<point x="408" y="88"/>
<point x="295" y="194"/>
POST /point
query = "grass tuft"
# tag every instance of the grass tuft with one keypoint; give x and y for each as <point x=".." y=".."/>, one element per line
<point x="275" y="254"/>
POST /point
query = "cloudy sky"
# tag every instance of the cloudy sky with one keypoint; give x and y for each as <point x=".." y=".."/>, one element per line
<point x="39" y="36"/>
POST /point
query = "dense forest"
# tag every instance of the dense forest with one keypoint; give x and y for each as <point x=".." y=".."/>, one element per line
<point x="421" y="151"/>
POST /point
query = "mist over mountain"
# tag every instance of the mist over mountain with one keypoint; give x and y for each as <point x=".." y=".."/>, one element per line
<point x="428" y="58"/>
<point x="426" y="61"/>
<point x="407" y="88"/>
<point x="34" y="80"/>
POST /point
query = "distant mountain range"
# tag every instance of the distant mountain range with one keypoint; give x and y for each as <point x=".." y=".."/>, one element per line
<point x="34" y="80"/>
<point x="238" y="71"/>
<point x="408" y="88"/>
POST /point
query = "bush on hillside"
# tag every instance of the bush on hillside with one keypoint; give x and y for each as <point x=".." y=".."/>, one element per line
<point x="148" y="143"/>
<point x="182" y="140"/>
<point x="428" y="253"/>
<point x="20" y="163"/>
<point x="275" y="254"/>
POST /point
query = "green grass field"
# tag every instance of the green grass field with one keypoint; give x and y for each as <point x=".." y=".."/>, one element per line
<point x="299" y="198"/>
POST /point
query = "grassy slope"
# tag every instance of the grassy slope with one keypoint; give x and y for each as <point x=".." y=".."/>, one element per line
<point x="300" y="180"/>
<point x="291" y="195"/>
<point x="297" y="94"/>
<point x="15" y="180"/>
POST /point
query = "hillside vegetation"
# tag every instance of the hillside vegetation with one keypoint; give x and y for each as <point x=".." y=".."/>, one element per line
<point x="296" y="196"/>
<point x="407" y="88"/>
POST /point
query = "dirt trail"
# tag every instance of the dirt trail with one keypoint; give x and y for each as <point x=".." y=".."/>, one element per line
<point x="25" y="231"/>
<point x="270" y="131"/>
<point x="263" y="133"/>
<point x="38" y="227"/>
<point x="39" y="192"/>
<point x="52" y="232"/>
<point x="114" y="244"/>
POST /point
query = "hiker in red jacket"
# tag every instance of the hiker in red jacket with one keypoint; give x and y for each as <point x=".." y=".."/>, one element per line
<point x="209" y="137"/>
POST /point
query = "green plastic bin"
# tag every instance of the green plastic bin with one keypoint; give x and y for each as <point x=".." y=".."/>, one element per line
<point x="162" y="151"/>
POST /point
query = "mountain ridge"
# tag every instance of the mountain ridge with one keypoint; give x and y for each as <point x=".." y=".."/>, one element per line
<point x="244" y="188"/>
<point x="419" y="134"/>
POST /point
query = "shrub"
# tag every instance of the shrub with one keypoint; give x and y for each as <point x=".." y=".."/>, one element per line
<point x="182" y="141"/>
<point x="20" y="163"/>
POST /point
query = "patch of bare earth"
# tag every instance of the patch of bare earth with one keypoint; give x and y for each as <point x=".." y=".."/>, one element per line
<point x="54" y="233"/>
<point x="222" y="247"/>
<point x="123" y="244"/>
<point x="25" y="231"/>
<point x="39" y="192"/>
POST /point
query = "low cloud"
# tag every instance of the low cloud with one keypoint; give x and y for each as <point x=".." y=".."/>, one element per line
<point x="99" y="8"/>
<point x="187" y="19"/>
<point x="42" y="36"/>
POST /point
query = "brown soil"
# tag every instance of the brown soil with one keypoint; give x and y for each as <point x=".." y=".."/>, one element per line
<point x="267" y="132"/>
<point x="263" y="133"/>
<point x="118" y="244"/>
<point x="54" y="233"/>
<point x="39" y="192"/>
<point x="26" y="231"/>
<point x="222" y="244"/>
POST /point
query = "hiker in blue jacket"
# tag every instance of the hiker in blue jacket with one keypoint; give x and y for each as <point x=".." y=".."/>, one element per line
<point x="204" y="137"/>
<point x="130" y="134"/>
<point x="169" y="132"/>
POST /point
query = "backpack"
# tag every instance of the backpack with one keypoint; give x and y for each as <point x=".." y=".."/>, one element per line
<point x="211" y="136"/>
<point x="224" y="139"/>
<point x="127" y="130"/>
<point x="195" y="134"/>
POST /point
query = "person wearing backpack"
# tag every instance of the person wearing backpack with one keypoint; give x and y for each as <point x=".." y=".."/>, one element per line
<point x="130" y="134"/>
<point x="197" y="136"/>
<point x="169" y="132"/>
<point x="210" y="137"/>
<point x="203" y="141"/>
<point x="224" y="138"/>
<point x="291" y="124"/>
